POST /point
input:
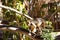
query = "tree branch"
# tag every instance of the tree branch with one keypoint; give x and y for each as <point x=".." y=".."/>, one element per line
<point x="9" y="8"/>
<point x="20" y="30"/>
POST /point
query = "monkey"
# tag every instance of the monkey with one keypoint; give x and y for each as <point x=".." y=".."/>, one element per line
<point x="36" y="25"/>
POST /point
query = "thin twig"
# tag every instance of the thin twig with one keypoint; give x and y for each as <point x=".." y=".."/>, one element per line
<point x="9" y="8"/>
<point x="53" y="14"/>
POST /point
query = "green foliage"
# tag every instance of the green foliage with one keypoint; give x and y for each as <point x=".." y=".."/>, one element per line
<point x="21" y="18"/>
<point x="11" y="35"/>
<point x="44" y="5"/>
<point x="46" y="34"/>
<point x="12" y="16"/>
<point x="25" y="25"/>
<point x="9" y="15"/>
